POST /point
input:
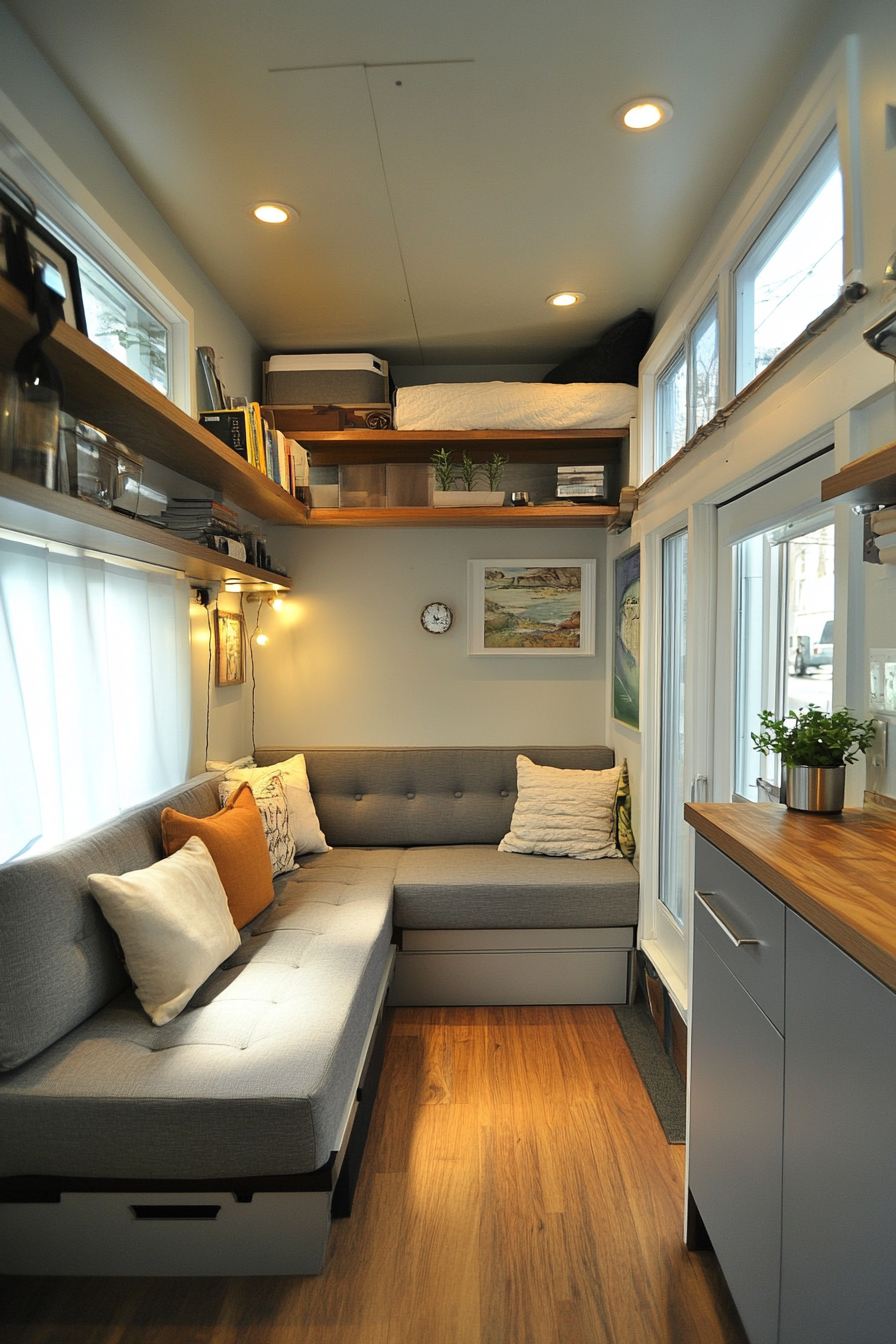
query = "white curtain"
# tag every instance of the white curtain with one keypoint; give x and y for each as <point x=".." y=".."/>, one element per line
<point x="95" y="690"/>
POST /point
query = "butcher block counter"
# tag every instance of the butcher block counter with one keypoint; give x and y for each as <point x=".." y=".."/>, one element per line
<point x="838" y="872"/>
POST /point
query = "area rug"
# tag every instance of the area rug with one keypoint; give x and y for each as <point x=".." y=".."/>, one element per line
<point x="658" y="1073"/>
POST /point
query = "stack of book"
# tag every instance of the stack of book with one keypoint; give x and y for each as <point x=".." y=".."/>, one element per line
<point x="580" y="483"/>
<point x="208" y="522"/>
<point x="249" y="432"/>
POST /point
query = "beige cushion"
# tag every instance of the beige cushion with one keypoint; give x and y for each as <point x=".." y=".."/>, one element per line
<point x="563" y="813"/>
<point x="173" y="923"/>
<point x="270" y="795"/>
<point x="303" y="822"/>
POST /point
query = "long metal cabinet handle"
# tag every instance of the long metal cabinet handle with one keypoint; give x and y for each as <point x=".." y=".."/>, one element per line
<point x="702" y="897"/>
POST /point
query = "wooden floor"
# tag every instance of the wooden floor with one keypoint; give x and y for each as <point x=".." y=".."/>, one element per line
<point x="517" y="1189"/>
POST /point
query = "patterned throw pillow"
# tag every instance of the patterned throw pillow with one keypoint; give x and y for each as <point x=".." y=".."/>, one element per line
<point x="303" y="822"/>
<point x="270" y="795"/>
<point x="625" y="836"/>
<point x="563" y="813"/>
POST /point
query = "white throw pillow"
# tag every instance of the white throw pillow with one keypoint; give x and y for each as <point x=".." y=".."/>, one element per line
<point x="270" y="795"/>
<point x="563" y="813"/>
<point x="303" y="820"/>
<point x="173" y="923"/>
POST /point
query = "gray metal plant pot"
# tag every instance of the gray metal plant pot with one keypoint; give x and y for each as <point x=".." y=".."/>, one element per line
<point x="809" y="788"/>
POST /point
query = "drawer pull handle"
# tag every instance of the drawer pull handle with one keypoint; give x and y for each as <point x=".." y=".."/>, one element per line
<point x="722" y="923"/>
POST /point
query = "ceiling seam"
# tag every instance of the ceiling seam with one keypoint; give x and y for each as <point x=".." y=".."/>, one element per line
<point x="404" y="269"/>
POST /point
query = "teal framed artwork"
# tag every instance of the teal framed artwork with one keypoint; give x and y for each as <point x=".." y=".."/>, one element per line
<point x="627" y="642"/>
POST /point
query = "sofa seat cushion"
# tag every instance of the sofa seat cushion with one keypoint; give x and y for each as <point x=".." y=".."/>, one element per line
<point x="255" y="1075"/>
<point x="478" y="887"/>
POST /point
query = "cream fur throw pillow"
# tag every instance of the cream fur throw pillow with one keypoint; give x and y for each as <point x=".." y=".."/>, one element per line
<point x="563" y="813"/>
<point x="173" y="923"/>
<point x="303" y="822"/>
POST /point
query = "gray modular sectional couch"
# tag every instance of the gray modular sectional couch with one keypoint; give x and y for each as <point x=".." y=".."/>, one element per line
<point x="224" y="1142"/>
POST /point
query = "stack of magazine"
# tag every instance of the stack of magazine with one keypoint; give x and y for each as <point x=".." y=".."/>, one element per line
<point x="581" y="482"/>
<point x="208" y="522"/>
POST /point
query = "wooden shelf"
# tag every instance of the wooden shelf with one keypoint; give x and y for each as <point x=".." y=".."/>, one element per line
<point x="869" y="480"/>
<point x="105" y="393"/>
<point x="573" y="515"/>
<point x="565" y="447"/>
<point x="24" y="508"/>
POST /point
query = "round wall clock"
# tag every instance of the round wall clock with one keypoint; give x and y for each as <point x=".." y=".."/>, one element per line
<point x="436" y="618"/>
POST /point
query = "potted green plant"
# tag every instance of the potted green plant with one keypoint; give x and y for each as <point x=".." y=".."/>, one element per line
<point x="455" y="484"/>
<point x="815" y="748"/>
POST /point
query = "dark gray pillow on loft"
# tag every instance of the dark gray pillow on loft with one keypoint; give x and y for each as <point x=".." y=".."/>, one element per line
<point x="614" y="357"/>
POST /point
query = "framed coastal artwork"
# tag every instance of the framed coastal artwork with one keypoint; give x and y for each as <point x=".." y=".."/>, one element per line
<point x="627" y="642"/>
<point x="230" y="667"/>
<point x="521" y="608"/>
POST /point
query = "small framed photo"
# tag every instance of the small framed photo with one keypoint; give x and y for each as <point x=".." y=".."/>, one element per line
<point x="230" y="664"/>
<point x="532" y="608"/>
<point x="627" y="641"/>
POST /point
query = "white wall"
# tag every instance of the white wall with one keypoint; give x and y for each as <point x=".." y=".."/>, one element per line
<point x="349" y="663"/>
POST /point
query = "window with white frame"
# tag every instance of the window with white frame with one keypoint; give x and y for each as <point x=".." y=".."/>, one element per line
<point x="120" y="323"/>
<point x="794" y="270"/>
<point x="134" y="315"/>
<point x="703" y="345"/>
<point x="687" y="391"/>
<point x="672" y="407"/>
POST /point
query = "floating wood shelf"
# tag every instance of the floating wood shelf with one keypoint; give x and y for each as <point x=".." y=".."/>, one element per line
<point x="869" y="480"/>
<point x="24" y="508"/>
<point x="573" y="515"/>
<point x="571" y="447"/>
<point x="106" y="393"/>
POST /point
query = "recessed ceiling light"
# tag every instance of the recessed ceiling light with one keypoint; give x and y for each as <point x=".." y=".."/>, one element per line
<point x="272" y="212"/>
<point x="643" y="114"/>
<point x="565" y="300"/>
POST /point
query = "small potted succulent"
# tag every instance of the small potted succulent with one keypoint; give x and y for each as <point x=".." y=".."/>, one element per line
<point x="815" y="748"/>
<point x="456" y="483"/>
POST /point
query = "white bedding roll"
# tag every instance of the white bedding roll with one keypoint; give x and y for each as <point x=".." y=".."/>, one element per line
<point x="544" y="406"/>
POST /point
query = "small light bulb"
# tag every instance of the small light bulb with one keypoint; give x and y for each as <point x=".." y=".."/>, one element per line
<point x="564" y="300"/>
<point x="277" y="603"/>
<point x="271" y="214"/>
<point x="261" y="639"/>
<point x="643" y="114"/>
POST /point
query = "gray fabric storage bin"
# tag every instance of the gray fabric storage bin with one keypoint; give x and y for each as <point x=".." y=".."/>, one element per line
<point x="325" y="387"/>
<point x="60" y="961"/>
<point x="422" y="795"/>
<point x="476" y="887"/>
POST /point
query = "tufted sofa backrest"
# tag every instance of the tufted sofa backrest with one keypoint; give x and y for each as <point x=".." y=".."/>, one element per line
<point x="58" y="959"/>
<point x="422" y="795"/>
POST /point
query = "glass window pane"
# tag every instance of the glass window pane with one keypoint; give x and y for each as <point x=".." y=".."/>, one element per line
<point x="122" y="326"/>
<point x="810" y="619"/>
<point x="795" y="268"/>
<point x="672" y="408"/>
<point x="705" y="368"/>
<point x="118" y="322"/>
<point x="672" y="799"/>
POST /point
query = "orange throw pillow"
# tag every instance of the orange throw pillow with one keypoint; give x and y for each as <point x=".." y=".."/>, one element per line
<point x="236" y="841"/>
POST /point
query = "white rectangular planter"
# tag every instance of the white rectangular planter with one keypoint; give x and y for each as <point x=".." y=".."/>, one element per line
<point x="467" y="499"/>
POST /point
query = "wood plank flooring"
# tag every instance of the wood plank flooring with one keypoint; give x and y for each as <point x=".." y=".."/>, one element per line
<point x="517" y="1189"/>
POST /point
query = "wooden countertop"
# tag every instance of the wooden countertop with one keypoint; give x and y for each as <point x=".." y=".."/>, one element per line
<point x="838" y="872"/>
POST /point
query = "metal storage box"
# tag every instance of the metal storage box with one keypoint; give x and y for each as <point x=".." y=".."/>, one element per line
<point x="326" y="380"/>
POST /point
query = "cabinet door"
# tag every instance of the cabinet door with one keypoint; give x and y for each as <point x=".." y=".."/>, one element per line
<point x="736" y="1105"/>
<point x="838" y="1268"/>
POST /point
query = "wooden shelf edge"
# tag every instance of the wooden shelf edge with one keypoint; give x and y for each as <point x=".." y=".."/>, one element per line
<point x="38" y="512"/>
<point x="106" y="393"/>
<point x="574" y="516"/>
<point x="541" y="437"/>
<point x="868" y="480"/>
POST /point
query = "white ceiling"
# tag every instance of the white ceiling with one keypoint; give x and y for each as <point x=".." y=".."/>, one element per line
<point x="439" y="204"/>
